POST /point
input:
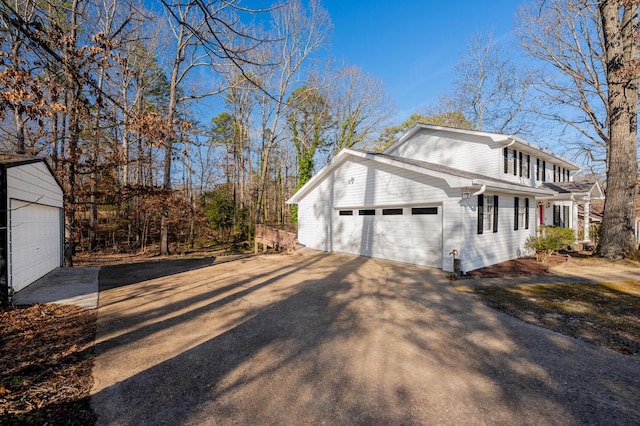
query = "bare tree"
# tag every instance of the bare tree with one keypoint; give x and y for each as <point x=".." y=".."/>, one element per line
<point x="566" y="37"/>
<point x="593" y="49"/>
<point x="300" y="33"/>
<point x="360" y="107"/>
<point x="490" y="89"/>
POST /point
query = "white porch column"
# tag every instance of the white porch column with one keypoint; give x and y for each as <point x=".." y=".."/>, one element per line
<point x="587" y="220"/>
<point x="574" y="218"/>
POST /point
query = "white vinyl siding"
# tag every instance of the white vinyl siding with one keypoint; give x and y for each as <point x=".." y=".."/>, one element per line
<point x="472" y="153"/>
<point x="360" y="184"/>
<point x="488" y="248"/>
<point x="33" y="183"/>
<point x="314" y="217"/>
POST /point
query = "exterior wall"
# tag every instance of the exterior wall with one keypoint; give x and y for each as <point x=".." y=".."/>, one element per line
<point x="34" y="223"/>
<point x="33" y="183"/>
<point x="488" y="248"/>
<point x="314" y="217"/>
<point x="453" y="229"/>
<point x="471" y="153"/>
<point x="360" y="183"/>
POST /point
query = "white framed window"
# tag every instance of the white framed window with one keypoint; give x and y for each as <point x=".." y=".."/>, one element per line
<point x="520" y="213"/>
<point x="487" y="213"/>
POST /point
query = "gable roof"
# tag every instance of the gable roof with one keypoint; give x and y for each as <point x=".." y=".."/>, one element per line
<point x="15" y="160"/>
<point x="455" y="178"/>
<point x="500" y="139"/>
<point x="591" y="189"/>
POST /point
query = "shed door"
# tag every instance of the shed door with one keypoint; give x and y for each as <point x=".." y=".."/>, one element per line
<point x="34" y="242"/>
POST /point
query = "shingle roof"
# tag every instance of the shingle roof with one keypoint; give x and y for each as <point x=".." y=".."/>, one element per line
<point x="569" y="187"/>
<point x="444" y="169"/>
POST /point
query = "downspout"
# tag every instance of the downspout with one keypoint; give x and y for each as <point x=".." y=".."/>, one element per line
<point x="481" y="191"/>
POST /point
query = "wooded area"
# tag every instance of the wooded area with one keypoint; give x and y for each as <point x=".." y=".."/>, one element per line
<point x="174" y="125"/>
<point x="121" y="97"/>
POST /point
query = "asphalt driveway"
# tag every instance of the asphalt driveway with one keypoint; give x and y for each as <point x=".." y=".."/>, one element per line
<point x="335" y="339"/>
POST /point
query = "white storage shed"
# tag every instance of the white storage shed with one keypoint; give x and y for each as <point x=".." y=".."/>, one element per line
<point x="31" y="222"/>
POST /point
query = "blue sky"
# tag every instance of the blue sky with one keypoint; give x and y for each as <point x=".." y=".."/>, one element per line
<point x="413" y="45"/>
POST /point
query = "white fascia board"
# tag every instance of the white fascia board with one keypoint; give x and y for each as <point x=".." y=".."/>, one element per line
<point x="513" y="189"/>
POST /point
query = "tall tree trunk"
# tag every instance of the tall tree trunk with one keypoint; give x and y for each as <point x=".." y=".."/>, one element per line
<point x="617" y="238"/>
<point x="74" y="106"/>
<point x="170" y="138"/>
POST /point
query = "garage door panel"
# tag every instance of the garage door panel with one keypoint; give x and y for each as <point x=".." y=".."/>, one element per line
<point x="34" y="241"/>
<point x="406" y="237"/>
<point x="426" y="237"/>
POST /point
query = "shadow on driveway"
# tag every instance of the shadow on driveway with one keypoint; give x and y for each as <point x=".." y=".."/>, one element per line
<point x="336" y="339"/>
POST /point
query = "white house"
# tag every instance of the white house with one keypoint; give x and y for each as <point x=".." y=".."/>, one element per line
<point x="437" y="190"/>
<point x="31" y="222"/>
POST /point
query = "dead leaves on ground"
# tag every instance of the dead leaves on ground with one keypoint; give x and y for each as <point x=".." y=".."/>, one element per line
<point x="46" y="356"/>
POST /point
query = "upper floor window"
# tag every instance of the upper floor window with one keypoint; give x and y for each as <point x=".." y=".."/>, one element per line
<point x="515" y="162"/>
<point x="525" y="165"/>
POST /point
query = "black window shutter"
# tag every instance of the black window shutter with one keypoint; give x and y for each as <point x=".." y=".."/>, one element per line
<point x="528" y="166"/>
<point x="505" y="155"/>
<point x="554" y="173"/>
<point x="495" y="213"/>
<point x="515" y="162"/>
<point x="537" y="169"/>
<point x="544" y="170"/>
<point x="526" y="213"/>
<point x="480" y="213"/>
<point x="520" y="164"/>
<point x="516" y="205"/>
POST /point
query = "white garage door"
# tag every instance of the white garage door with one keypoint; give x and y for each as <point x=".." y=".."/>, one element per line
<point x="412" y="235"/>
<point x="34" y="242"/>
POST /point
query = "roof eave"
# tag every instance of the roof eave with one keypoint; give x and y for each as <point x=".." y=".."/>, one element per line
<point x="511" y="188"/>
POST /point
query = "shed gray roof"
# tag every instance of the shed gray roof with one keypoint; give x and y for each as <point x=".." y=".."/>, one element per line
<point x="10" y="160"/>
